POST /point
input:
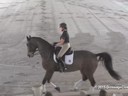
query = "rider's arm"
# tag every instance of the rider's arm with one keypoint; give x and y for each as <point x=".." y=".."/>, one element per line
<point x="61" y="42"/>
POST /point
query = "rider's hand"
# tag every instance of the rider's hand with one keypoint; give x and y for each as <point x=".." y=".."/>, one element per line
<point x="54" y="44"/>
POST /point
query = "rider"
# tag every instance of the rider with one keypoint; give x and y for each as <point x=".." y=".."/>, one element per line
<point x="65" y="45"/>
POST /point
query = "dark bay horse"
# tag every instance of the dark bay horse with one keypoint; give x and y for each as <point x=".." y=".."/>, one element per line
<point x="84" y="61"/>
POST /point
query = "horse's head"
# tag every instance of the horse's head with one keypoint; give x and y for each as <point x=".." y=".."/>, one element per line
<point x="31" y="46"/>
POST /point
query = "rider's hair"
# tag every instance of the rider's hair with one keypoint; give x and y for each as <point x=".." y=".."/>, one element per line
<point x="63" y="25"/>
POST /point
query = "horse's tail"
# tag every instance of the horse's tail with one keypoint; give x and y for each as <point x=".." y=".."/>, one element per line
<point x="107" y="59"/>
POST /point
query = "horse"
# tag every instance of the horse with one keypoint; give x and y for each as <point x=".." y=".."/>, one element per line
<point x="84" y="61"/>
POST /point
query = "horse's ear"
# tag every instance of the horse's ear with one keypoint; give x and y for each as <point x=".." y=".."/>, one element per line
<point x="28" y="38"/>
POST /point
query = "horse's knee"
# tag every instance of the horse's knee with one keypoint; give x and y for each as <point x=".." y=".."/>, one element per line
<point x="44" y="81"/>
<point x="47" y="77"/>
<point x="48" y="81"/>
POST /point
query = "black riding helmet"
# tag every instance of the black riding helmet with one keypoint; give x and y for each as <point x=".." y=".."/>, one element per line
<point x="63" y="25"/>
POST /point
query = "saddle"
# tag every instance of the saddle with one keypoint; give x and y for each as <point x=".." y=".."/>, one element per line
<point x="67" y="57"/>
<point x="57" y="50"/>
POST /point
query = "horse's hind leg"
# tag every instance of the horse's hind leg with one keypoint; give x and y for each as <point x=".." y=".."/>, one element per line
<point x="75" y="87"/>
<point x="79" y="83"/>
<point x="92" y="81"/>
<point x="84" y="77"/>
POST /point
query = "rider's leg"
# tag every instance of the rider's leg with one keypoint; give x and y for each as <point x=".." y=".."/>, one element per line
<point x="63" y="50"/>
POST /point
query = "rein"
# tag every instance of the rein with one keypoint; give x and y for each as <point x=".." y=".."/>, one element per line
<point x="36" y="52"/>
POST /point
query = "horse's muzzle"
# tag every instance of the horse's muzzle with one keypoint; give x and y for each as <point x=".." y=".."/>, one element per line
<point x="30" y="54"/>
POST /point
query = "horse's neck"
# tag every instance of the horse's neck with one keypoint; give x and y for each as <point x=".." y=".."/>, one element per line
<point x="45" y="50"/>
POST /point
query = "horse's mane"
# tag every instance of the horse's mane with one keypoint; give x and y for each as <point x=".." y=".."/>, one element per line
<point x="42" y="40"/>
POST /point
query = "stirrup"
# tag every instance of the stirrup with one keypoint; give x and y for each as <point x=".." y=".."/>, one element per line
<point x="61" y="70"/>
<point x="60" y="67"/>
<point x="65" y="68"/>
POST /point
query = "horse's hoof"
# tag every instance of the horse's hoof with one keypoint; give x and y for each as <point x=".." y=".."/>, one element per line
<point x="84" y="93"/>
<point x="76" y="89"/>
<point x="57" y="88"/>
<point x="48" y="94"/>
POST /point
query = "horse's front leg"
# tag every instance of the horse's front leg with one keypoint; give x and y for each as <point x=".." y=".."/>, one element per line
<point x="47" y="78"/>
<point x="56" y="87"/>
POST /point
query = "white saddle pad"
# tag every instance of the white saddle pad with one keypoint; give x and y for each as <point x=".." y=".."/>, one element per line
<point x="68" y="59"/>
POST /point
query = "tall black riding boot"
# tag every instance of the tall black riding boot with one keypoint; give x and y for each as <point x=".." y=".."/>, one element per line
<point x="61" y="64"/>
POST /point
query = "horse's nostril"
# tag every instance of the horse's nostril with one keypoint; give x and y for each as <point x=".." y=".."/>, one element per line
<point x="28" y="55"/>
